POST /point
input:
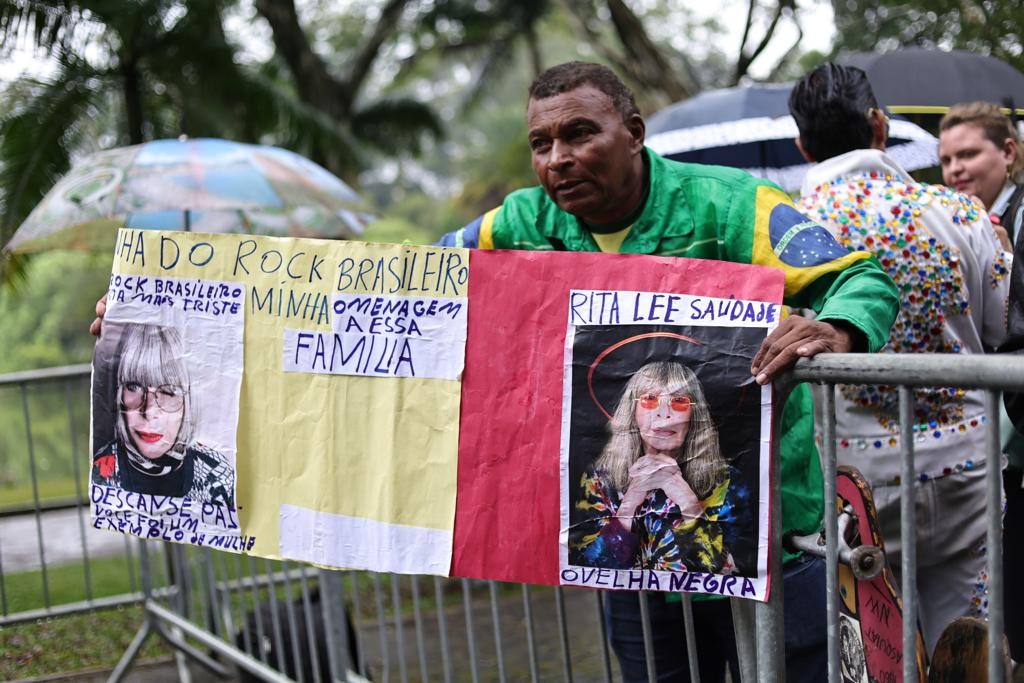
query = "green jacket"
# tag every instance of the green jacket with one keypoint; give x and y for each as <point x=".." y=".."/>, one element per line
<point x="713" y="212"/>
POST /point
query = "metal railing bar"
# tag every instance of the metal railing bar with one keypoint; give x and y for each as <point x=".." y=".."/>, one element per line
<point x="417" y="612"/>
<point x="746" y="647"/>
<point x="67" y="609"/>
<point x="293" y="626"/>
<point x="531" y="644"/>
<point x="357" y="623"/>
<point x="606" y="659"/>
<point x="35" y="495"/>
<point x="563" y="633"/>
<point x="246" y="631"/>
<point x="771" y="663"/>
<point x="214" y="617"/>
<point x="691" y="638"/>
<point x="993" y="371"/>
<point x="645" y="626"/>
<point x="275" y="617"/>
<point x="378" y="600"/>
<point x="829" y="471"/>
<point x="311" y="636"/>
<point x="467" y="603"/>
<point x="82" y="504"/>
<point x="129" y="558"/>
<point x="496" y="619"/>
<point x="994" y="542"/>
<point x="257" y="610"/>
<point x="3" y="587"/>
<point x="396" y="602"/>
<point x="230" y="652"/>
<point x="260" y="580"/>
<point x="442" y="629"/>
<point x="227" y="618"/>
<point x="47" y="374"/>
<point x="332" y="607"/>
<point x="908" y="538"/>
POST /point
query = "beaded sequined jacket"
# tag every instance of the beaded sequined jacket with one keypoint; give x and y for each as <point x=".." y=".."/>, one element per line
<point x="941" y="251"/>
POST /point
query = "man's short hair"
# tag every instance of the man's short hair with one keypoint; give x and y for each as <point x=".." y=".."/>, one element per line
<point x="831" y="107"/>
<point x="566" y="77"/>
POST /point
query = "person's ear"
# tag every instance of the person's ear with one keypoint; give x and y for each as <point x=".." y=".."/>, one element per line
<point x="803" y="150"/>
<point x="879" y="129"/>
<point x="637" y="132"/>
<point x="1009" y="151"/>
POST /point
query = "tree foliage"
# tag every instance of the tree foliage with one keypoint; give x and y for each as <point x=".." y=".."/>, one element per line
<point x="986" y="26"/>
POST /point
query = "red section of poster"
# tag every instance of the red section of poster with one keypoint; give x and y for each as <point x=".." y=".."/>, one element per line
<point x="507" y="512"/>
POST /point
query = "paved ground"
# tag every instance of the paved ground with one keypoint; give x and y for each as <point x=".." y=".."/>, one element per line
<point x="63" y="532"/>
<point x="584" y="642"/>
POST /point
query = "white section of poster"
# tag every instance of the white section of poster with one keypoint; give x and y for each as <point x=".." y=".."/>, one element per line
<point x="384" y="336"/>
<point x="604" y="307"/>
<point x="355" y="543"/>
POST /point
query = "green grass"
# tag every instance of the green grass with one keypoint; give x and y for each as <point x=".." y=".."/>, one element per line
<point x="49" y="489"/>
<point x="109" y="576"/>
<point x="82" y="641"/>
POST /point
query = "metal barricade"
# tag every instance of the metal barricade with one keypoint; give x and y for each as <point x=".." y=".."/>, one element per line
<point x="280" y="621"/>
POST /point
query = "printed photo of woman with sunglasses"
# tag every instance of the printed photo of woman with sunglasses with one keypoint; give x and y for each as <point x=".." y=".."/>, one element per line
<point x="153" y="450"/>
<point x="656" y="498"/>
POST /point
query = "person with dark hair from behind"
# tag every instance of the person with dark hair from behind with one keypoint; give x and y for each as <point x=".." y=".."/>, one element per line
<point x="981" y="154"/>
<point x="601" y="189"/>
<point x="942" y="252"/>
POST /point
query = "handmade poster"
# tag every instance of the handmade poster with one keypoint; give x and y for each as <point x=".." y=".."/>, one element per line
<point x="428" y="410"/>
<point x="664" y="443"/>
<point x="165" y="410"/>
<point x="307" y="393"/>
<point x="545" y="378"/>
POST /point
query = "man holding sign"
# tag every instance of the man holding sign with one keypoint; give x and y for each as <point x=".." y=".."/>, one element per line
<point x="602" y="190"/>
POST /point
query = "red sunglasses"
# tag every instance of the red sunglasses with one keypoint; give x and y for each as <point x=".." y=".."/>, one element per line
<point x="678" y="404"/>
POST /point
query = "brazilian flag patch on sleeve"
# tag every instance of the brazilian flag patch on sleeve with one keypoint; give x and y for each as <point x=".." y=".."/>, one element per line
<point x="800" y="242"/>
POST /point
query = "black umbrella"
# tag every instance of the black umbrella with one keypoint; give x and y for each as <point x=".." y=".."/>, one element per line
<point x="923" y="81"/>
<point x="749" y="127"/>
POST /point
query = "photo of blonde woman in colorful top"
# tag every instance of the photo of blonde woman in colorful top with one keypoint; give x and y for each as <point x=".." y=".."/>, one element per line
<point x="153" y="449"/>
<point x="661" y="495"/>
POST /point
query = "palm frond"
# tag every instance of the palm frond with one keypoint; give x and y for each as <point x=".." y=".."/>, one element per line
<point x="396" y="124"/>
<point x="37" y="138"/>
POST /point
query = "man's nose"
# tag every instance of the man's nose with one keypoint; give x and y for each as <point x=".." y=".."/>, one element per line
<point x="561" y="155"/>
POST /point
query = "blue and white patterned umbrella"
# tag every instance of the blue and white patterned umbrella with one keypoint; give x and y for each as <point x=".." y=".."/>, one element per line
<point x="749" y="127"/>
<point x="204" y="185"/>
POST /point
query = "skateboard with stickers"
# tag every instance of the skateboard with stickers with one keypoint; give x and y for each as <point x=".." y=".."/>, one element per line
<point x="870" y="607"/>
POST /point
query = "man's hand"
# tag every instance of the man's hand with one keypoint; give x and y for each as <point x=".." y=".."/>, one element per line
<point x="798" y="337"/>
<point x="101" y="310"/>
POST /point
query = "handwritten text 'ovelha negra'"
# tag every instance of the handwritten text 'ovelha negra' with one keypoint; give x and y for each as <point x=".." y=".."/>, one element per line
<point x="167" y="518"/>
<point x="588" y="307"/>
<point x="643" y="579"/>
<point x="300" y="279"/>
<point x="384" y="335"/>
